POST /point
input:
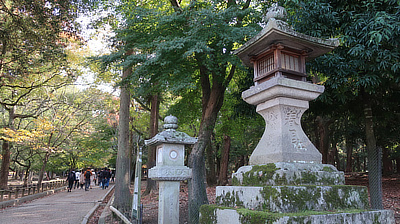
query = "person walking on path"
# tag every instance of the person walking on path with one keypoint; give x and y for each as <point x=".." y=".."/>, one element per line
<point x="77" y="178"/>
<point x="107" y="176"/>
<point x="93" y="179"/>
<point x="88" y="174"/>
<point x="101" y="178"/>
<point x="82" y="179"/>
<point x="71" y="179"/>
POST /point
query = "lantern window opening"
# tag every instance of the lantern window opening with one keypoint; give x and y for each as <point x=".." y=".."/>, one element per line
<point x="265" y="65"/>
<point x="291" y="61"/>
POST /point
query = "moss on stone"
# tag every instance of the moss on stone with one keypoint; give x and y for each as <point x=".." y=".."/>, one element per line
<point x="208" y="214"/>
<point x="235" y="181"/>
<point x="376" y="219"/>
<point x="259" y="175"/>
<point x="328" y="181"/>
<point x="328" y="169"/>
<point x="335" y="198"/>
<point x="298" y="200"/>
<point x="280" y="180"/>
<point x="308" y="178"/>
<point x="229" y="199"/>
<point x="270" y="194"/>
<point x="257" y="217"/>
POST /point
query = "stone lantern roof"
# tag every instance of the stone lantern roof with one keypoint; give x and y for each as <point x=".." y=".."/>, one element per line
<point x="277" y="31"/>
<point x="170" y="134"/>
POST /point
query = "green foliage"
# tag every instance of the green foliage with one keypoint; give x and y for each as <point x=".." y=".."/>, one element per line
<point x="168" y="44"/>
<point x="367" y="60"/>
<point x="368" y="56"/>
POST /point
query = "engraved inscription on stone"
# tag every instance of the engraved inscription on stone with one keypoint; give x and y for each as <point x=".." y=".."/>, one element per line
<point x="292" y="119"/>
<point x="174" y="172"/>
<point x="271" y="118"/>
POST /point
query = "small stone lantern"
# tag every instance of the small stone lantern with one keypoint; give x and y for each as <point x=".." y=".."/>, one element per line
<point x="170" y="169"/>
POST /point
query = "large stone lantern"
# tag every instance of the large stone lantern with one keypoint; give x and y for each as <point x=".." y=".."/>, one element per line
<point x="170" y="169"/>
<point x="278" y="55"/>
<point x="286" y="181"/>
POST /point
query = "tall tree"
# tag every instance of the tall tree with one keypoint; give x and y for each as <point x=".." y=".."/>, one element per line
<point x="123" y="175"/>
<point x="182" y="44"/>
<point x="151" y="156"/>
<point x="32" y="42"/>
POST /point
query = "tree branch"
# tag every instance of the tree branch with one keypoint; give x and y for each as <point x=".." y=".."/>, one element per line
<point x="175" y="4"/>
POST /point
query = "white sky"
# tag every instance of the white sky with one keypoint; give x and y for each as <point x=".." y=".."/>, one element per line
<point x="96" y="41"/>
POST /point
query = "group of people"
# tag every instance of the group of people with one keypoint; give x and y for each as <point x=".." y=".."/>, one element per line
<point x="88" y="178"/>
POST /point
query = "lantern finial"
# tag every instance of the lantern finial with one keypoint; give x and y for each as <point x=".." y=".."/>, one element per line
<point x="170" y="122"/>
<point x="275" y="12"/>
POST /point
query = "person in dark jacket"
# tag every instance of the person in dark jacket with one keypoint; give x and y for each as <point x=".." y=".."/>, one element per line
<point x="107" y="176"/>
<point x="71" y="179"/>
<point x="87" y="175"/>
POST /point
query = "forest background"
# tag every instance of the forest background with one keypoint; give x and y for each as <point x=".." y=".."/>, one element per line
<point x="175" y="57"/>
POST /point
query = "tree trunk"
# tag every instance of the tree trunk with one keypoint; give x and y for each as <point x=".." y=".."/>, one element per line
<point x="27" y="172"/>
<point x="196" y="185"/>
<point x="211" y="174"/>
<point x="42" y="170"/>
<point x="212" y="102"/>
<point x="349" y="151"/>
<point x="122" y="175"/>
<point x="5" y="165"/>
<point x="374" y="157"/>
<point x="336" y="158"/>
<point x="387" y="163"/>
<point x="323" y="132"/>
<point x="151" y="157"/>
<point x="223" y="174"/>
<point x="398" y="165"/>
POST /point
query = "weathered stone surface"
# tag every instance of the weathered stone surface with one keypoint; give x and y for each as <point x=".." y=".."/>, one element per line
<point x="171" y="135"/>
<point x="168" y="202"/>
<point x="282" y="102"/>
<point x="170" y="169"/>
<point x="170" y="173"/>
<point x="288" y="199"/>
<point x="282" y="87"/>
<point x="216" y="215"/>
<point x="283" y="173"/>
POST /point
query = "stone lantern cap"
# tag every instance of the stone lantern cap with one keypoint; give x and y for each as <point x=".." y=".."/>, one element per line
<point x="170" y="134"/>
<point x="277" y="31"/>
